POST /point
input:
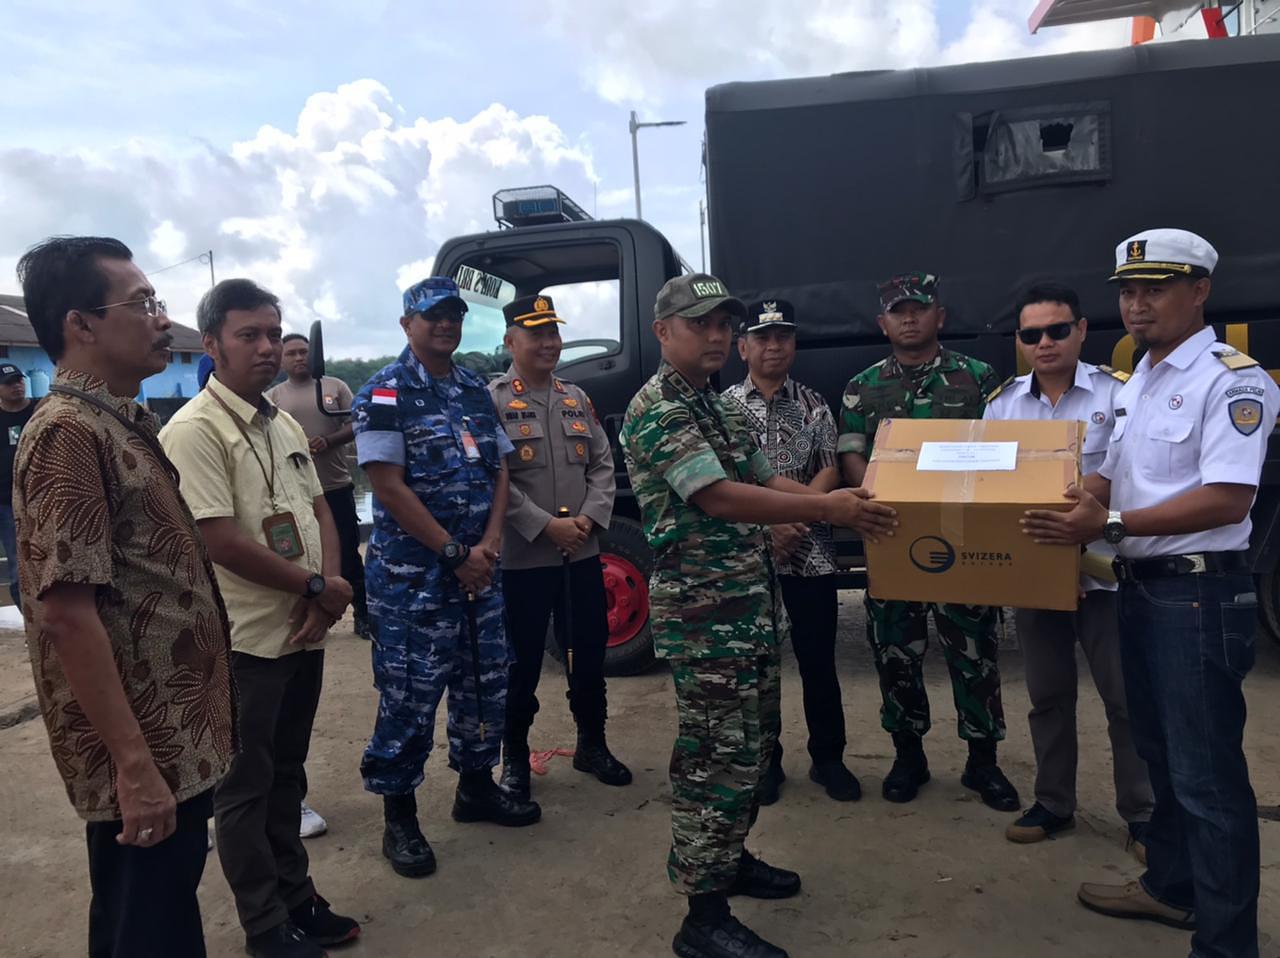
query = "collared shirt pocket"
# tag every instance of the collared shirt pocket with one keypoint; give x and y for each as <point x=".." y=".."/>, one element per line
<point x="1171" y="450"/>
<point x="577" y="440"/>
<point x="1096" y="440"/>
<point x="530" y="442"/>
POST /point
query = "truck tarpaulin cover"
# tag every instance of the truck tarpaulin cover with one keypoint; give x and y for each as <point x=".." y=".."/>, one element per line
<point x="995" y="176"/>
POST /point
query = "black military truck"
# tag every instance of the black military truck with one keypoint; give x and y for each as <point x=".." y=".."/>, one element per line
<point x="991" y="175"/>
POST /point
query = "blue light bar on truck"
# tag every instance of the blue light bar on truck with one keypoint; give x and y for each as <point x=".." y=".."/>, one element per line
<point x="535" y="206"/>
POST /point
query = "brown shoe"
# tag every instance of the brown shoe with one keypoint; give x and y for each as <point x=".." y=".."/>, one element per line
<point x="1132" y="901"/>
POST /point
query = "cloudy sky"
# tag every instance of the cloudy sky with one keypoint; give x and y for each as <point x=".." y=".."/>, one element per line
<point x="327" y="149"/>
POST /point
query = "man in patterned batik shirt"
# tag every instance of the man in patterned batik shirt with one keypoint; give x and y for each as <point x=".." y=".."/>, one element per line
<point x="128" y="636"/>
<point x="794" y="427"/>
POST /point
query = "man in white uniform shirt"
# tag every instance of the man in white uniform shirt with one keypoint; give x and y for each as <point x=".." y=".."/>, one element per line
<point x="1051" y="332"/>
<point x="1174" y="495"/>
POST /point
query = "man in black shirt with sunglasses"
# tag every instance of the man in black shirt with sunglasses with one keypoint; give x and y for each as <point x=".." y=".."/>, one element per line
<point x="1051" y="332"/>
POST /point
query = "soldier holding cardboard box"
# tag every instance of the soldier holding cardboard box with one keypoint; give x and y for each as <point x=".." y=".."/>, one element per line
<point x="1051" y="332"/>
<point x="921" y="380"/>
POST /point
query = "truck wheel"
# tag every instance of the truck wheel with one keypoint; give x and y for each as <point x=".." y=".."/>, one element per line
<point x="1269" y="602"/>
<point x="625" y="555"/>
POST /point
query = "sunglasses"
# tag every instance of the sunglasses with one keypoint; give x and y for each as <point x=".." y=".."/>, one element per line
<point x="1056" y="331"/>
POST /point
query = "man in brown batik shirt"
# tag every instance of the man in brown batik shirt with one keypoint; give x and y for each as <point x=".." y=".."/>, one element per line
<point x="128" y="635"/>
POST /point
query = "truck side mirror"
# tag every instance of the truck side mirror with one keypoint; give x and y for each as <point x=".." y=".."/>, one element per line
<point x="315" y="363"/>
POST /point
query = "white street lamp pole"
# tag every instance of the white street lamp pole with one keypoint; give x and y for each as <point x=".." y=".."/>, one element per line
<point x="635" y="150"/>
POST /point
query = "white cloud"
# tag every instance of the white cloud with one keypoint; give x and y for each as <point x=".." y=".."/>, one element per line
<point x="333" y="217"/>
<point x="649" y="54"/>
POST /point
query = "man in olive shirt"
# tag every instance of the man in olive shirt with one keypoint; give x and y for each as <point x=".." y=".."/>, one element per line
<point x="330" y="437"/>
<point x="247" y="475"/>
<point x="551" y="561"/>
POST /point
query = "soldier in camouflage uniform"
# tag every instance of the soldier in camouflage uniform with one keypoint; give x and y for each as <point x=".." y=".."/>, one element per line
<point x="922" y="380"/>
<point x="705" y="490"/>
<point x="429" y="439"/>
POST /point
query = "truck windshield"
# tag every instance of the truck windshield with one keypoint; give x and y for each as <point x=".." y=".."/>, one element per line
<point x="582" y="282"/>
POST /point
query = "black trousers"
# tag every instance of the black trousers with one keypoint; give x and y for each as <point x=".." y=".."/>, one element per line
<point x="144" y="899"/>
<point x="811" y="605"/>
<point x="257" y="806"/>
<point x="532" y="596"/>
<point x="342" y="503"/>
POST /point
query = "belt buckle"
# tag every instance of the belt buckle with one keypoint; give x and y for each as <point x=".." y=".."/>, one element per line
<point x="1198" y="564"/>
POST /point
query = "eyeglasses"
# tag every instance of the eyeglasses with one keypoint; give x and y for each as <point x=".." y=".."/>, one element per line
<point x="150" y="305"/>
<point x="1056" y="331"/>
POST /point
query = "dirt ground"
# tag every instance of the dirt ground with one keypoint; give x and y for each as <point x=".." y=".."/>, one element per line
<point x="933" y="878"/>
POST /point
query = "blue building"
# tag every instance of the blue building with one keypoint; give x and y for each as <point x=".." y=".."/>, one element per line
<point x="163" y="392"/>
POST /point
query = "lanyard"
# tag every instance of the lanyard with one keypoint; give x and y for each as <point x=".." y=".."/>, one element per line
<point x="151" y="443"/>
<point x="270" y="480"/>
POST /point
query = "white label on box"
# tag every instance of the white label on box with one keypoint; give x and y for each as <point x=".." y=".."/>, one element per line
<point x="967" y="457"/>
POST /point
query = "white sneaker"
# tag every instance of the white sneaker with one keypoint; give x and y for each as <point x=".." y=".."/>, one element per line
<point x="312" y="824"/>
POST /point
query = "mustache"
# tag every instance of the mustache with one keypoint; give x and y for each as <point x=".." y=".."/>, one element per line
<point x="164" y="342"/>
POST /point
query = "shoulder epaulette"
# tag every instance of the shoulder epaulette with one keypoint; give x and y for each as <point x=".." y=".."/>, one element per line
<point x="1001" y="388"/>
<point x="1113" y="372"/>
<point x="1232" y="358"/>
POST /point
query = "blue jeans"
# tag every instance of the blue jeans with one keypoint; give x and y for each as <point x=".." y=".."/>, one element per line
<point x="1187" y="643"/>
<point x="9" y="542"/>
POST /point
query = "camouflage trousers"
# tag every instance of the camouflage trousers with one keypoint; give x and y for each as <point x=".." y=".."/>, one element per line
<point x="729" y="717"/>
<point x="899" y="634"/>
<point x="414" y="660"/>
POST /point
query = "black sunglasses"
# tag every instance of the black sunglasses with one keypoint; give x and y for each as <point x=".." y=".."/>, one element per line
<point x="1056" y="331"/>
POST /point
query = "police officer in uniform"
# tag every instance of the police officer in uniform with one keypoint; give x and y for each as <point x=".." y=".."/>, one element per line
<point x="706" y="491"/>
<point x="430" y="442"/>
<point x="1174" y="495"/>
<point x="1051" y="333"/>
<point x="562" y="459"/>
<point x="922" y="380"/>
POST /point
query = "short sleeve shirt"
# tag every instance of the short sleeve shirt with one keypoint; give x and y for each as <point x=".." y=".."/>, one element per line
<point x="95" y="505"/>
<point x="333" y="466"/>
<point x="1189" y="421"/>
<point x="712" y="592"/>
<point x="795" y="429"/>
<point x="248" y="463"/>
<point x="406" y="417"/>
<point x="1091" y="400"/>
<point x="949" y="386"/>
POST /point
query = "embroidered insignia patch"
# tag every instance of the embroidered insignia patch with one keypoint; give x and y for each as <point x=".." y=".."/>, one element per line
<point x="1175" y="401"/>
<point x="580" y="449"/>
<point x="1246" y="415"/>
<point x="517" y="386"/>
<point x="571" y="403"/>
<point x="579" y="426"/>
<point x="526" y="453"/>
<point x="526" y="429"/>
<point x="1099" y="417"/>
<point x="517" y="404"/>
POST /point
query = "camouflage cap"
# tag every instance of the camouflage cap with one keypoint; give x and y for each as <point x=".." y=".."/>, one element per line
<point x="695" y="294"/>
<point x="424" y="296"/>
<point x="917" y="287"/>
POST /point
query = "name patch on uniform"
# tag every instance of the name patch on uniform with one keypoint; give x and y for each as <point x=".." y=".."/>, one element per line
<point x="1246" y="415"/>
<point x="383" y="397"/>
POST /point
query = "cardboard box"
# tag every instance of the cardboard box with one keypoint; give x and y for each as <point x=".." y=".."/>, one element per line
<point x="960" y="486"/>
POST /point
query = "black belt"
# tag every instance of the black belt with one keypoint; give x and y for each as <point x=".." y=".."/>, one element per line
<point x="1162" y="567"/>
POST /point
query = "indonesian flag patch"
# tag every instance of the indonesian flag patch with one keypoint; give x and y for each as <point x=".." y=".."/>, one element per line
<point x="383" y="396"/>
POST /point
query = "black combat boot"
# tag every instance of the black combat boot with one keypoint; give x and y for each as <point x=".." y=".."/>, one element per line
<point x="515" y="764"/>
<point x="983" y="775"/>
<point x="910" y="769"/>
<point x="479" y="799"/>
<point x="592" y="755"/>
<point x="710" y="931"/>
<point x="757" y="879"/>
<point x="403" y="843"/>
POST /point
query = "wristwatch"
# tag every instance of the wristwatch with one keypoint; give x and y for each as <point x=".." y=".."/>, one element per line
<point x="454" y="554"/>
<point x="315" y="585"/>
<point x="1114" y="530"/>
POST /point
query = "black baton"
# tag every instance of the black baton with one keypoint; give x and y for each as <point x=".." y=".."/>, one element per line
<point x="473" y="630"/>
<point x="567" y="625"/>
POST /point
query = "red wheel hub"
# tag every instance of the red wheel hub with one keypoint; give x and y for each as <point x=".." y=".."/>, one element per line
<point x="627" y="594"/>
